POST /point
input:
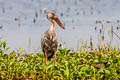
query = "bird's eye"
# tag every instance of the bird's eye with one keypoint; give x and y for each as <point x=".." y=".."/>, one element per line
<point x="50" y="15"/>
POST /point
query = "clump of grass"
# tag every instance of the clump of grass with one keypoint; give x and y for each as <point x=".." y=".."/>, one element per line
<point x="95" y="65"/>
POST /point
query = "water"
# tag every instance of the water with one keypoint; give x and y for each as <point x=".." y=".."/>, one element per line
<point x="19" y="22"/>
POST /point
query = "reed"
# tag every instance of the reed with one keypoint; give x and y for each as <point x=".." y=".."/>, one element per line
<point x="83" y="1"/>
<point x="3" y="6"/>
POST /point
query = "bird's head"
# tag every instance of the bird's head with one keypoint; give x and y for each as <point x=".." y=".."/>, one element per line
<point x="52" y="17"/>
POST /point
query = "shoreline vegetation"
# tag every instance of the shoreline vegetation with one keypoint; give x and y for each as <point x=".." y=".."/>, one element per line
<point x="102" y="63"/>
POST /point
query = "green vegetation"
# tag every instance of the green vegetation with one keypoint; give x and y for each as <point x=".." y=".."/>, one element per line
<point x="101" y="64"/>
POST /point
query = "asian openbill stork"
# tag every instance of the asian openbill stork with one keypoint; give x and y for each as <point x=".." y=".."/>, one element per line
<point x="49" y="40"/>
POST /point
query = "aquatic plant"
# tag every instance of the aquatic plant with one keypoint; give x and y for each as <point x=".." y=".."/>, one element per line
<point x="90" y="65"/>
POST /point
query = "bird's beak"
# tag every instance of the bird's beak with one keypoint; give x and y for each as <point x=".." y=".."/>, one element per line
<point x="59" y="22"/>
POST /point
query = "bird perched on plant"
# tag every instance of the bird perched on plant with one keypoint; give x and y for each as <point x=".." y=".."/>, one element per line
<point x="49" y="40"/>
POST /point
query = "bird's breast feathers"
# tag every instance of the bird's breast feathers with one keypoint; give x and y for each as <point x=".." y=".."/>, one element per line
<point x="50" y="40"/>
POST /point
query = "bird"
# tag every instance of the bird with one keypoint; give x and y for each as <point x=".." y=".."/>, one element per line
<point x="49" y="40"/>
<point x="99" y="65"/>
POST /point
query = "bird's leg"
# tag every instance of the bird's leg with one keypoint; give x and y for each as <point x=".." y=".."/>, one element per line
<point x="45" y="56"/>
<point x="55" y="56"/>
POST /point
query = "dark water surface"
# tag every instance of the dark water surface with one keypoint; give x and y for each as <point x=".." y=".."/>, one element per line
<point x="24" y="20"/>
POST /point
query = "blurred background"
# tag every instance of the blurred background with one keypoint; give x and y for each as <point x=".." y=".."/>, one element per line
<point x="22" y="22"/>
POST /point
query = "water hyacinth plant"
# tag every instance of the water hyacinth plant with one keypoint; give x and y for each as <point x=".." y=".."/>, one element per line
<point x="99" y="64"/>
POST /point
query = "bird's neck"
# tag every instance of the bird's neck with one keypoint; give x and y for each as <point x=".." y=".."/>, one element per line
<point x="52" y="27"/>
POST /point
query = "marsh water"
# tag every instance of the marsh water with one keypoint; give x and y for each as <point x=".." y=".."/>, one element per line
<point x="22" y="22"/>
